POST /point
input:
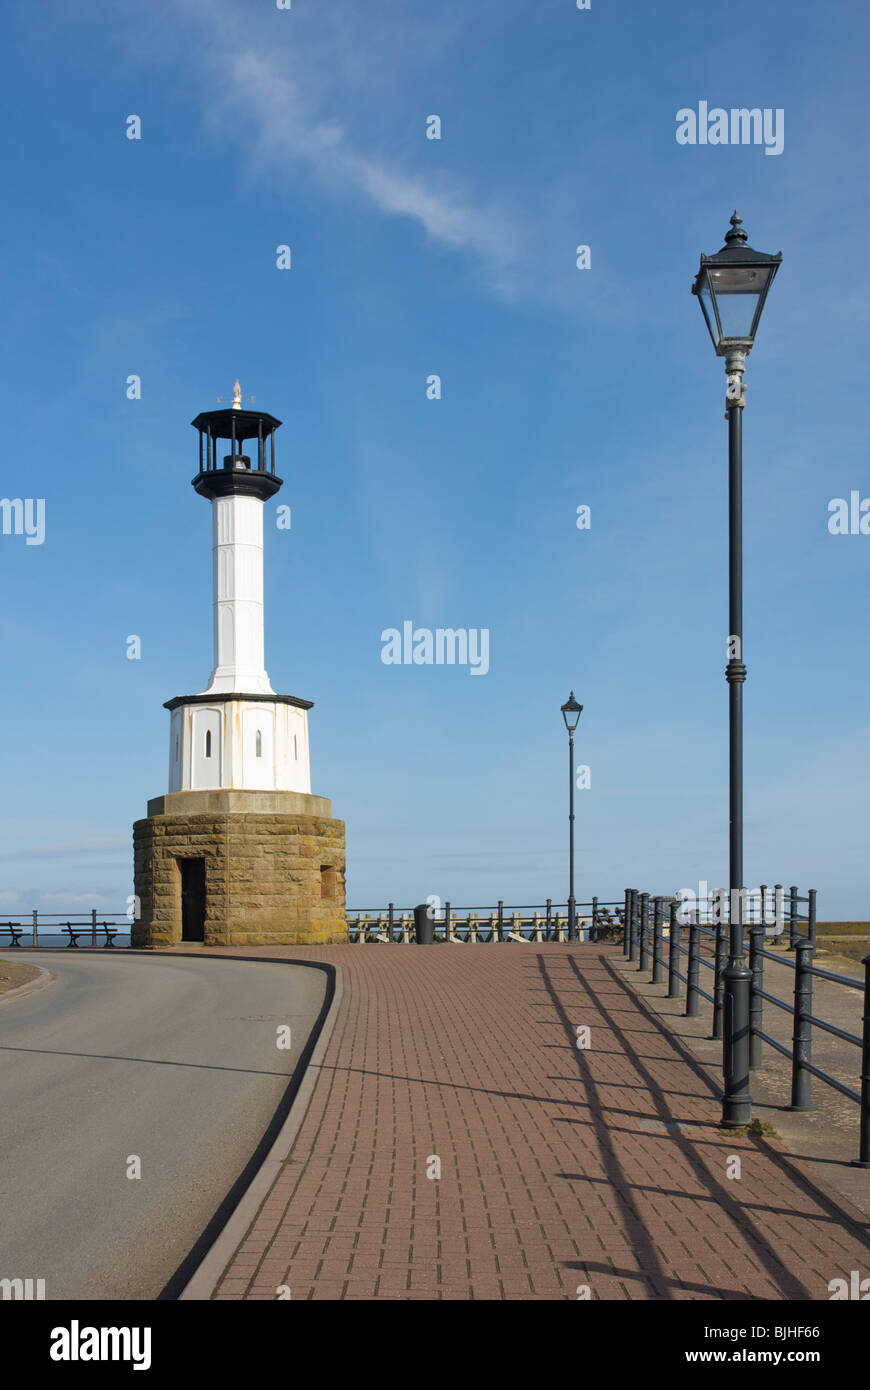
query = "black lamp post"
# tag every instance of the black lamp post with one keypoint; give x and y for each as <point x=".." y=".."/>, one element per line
<point x="732" y="287"/>
<point x="571" y="712"/>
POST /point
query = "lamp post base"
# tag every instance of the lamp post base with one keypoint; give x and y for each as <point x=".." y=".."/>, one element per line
<point x="736" y="1101"/>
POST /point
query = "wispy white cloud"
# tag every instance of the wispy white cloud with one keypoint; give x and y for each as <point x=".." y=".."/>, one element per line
<point x="276" y="94"/>
<point x="68" y="850"/>
<point x="315" y="102"/>
<point x="71" y="900"/>
<point x="288" y="130"/>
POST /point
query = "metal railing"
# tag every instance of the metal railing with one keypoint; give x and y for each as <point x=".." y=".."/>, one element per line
<point x="708" y="948"/>
<point x="596" y="920"/>
<point x="537" y="922"/>
<point x="47" y="930"/>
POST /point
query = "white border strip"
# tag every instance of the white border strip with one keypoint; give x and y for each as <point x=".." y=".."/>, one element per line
<point x="208" y="1274"/>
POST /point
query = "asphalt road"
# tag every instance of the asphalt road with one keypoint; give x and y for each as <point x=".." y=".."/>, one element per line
<point x="173" y="1060"/>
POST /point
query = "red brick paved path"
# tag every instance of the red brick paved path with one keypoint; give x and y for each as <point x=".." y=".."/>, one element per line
<point x="559" y="1167"/>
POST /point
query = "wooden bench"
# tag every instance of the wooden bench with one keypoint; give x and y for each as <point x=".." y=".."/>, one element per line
<point x="13" y="930"/>
<point x="74" y="933"/>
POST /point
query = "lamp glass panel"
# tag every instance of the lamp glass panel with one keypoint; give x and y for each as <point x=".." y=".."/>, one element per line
<point x="708" y="310"/>
<point x="738" y="291"/>
<point x="571" y="717"/>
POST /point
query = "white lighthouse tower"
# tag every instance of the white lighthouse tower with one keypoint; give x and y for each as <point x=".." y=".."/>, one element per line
<point x="238" y="733"/>
<point x="238" y="851"/>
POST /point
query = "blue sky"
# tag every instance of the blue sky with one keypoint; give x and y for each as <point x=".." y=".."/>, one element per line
<point x="561" y="387"/>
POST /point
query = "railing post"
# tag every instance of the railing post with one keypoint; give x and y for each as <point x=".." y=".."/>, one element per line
<point x="390" y="915"/>
<point x="863" y="1159"/>
<point x="674" y="951"/>
<point x="792" y="915"/>
<point x="626" y="942"/>
<point x="644" y="935"/>
<point x="811" y="916"/>
<point x="720" y="960"/>
<point x="777" y="906"/>
<point x="35" y="927"/>
<point x="632" y="925"/>
<point x="692" y="996"/>
<point x="549" y="914"/>
<point x="657" y="962"/>
<point x="447" y="921"/>
<point x="500" y="919"/>
<point x="756" y="985"/>
<point x="93" y="926"/>
<point x="762" y="890"/>
<point x="802" y="1044"/>
<point x="593" y="935"/>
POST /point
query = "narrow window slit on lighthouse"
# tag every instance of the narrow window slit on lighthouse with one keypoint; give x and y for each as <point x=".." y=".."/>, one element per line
<point x="208" y="743"/>
<point x="259" y="744"/>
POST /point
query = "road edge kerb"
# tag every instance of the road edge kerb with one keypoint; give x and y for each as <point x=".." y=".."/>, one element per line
<point x="207" y="1275"/>
<point x="44" y="978"/>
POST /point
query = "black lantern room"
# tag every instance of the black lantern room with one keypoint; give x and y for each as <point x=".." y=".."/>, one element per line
<point x="235" y="473"/>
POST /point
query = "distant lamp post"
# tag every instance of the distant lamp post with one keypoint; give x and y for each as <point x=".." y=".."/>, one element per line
<point x="571" y="712"/>
<point x="732" y="287"/>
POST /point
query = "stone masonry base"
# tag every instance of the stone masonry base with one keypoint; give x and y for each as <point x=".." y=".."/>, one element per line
<point x="272" y="874"/>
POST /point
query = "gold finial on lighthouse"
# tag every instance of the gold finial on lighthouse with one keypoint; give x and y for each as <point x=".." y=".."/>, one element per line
<point x="237" y="397"/>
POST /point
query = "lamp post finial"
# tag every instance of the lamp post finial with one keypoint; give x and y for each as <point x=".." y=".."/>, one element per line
<point x="736" y="234"/>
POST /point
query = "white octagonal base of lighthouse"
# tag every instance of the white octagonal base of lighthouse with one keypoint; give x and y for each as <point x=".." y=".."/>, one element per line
<point x="238" y="852"/>
<point x="240" y="742"/>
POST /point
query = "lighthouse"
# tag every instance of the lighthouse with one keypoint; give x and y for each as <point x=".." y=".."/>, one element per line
<point x="238" y="851"/>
